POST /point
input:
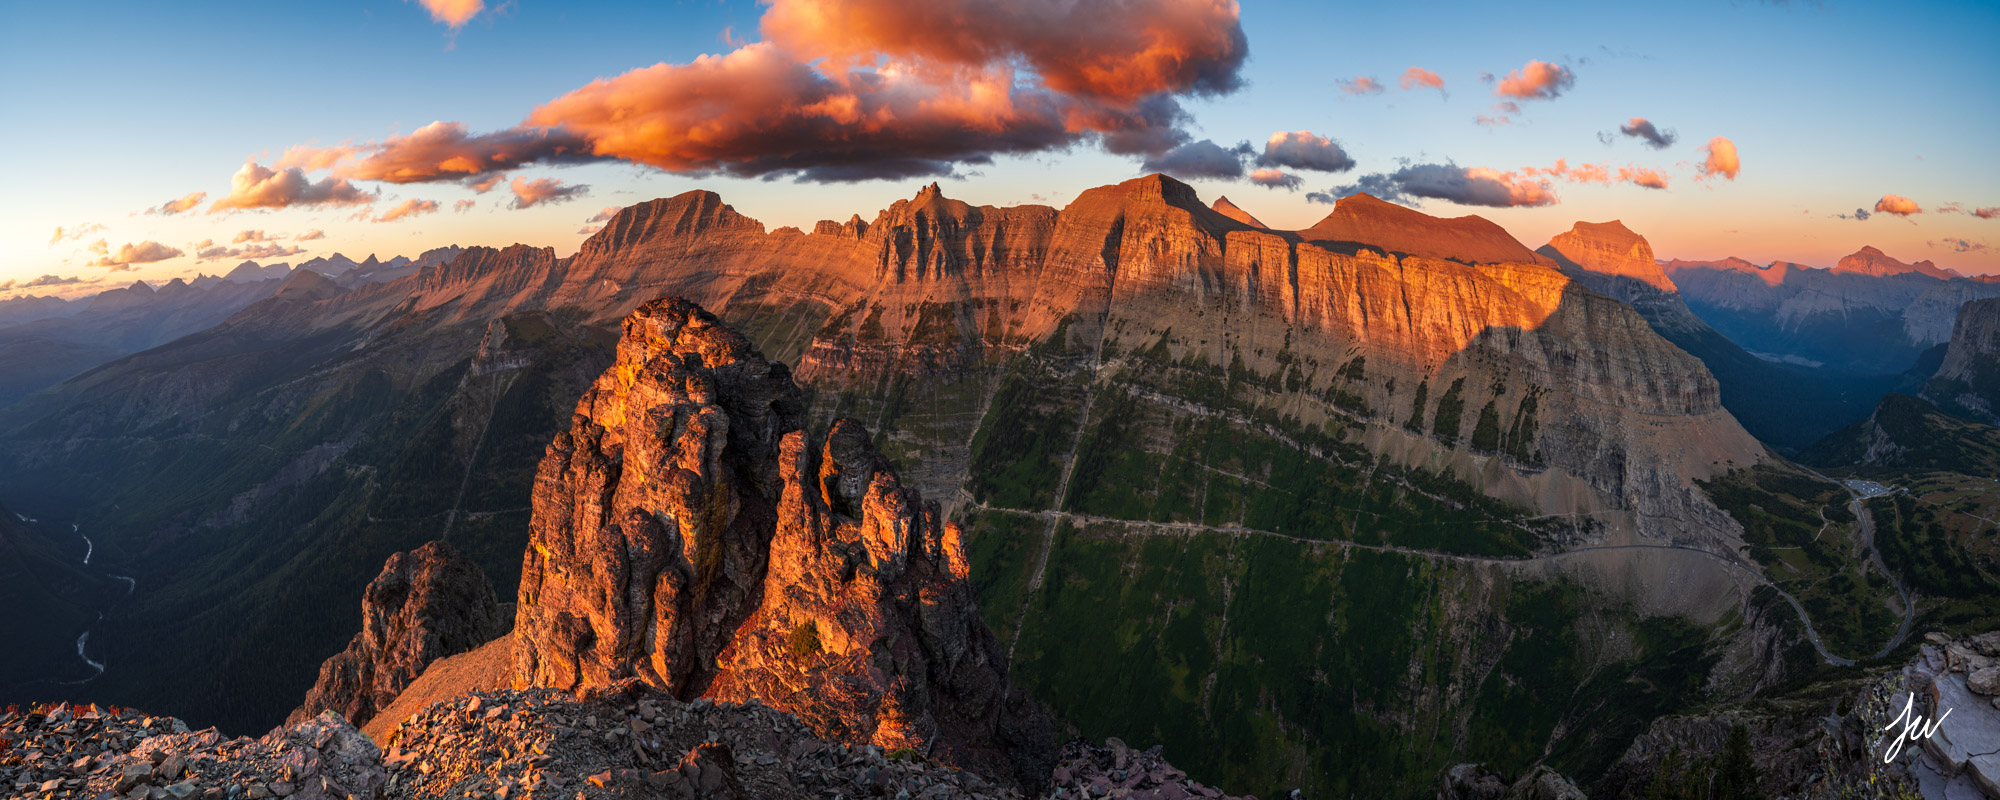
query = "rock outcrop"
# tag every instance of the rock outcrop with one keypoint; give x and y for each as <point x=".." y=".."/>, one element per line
<point x="1363" y="219"/>
<point x="427" y="604"/>
<point x="688" y="533"/>
<point x="1231" y="210"/>
<point x="1875" y="263"/>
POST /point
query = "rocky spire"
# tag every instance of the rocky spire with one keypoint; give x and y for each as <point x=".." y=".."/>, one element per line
<point x="689" y="534"/>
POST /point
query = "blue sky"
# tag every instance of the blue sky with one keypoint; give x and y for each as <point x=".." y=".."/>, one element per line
<point x="116" y="108"/>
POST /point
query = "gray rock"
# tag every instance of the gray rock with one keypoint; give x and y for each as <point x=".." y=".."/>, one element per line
<point x="1985" y="681"/>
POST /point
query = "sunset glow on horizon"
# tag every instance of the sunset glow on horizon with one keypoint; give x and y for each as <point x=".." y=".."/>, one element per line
<point x="175" y="142"/>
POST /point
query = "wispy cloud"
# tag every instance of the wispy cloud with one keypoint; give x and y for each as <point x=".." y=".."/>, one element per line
<point x="606" y="214"/>
<point x="310" y="235"/>
<point x="1961" y="246"/>
<point x="74" y="233"/>
<point x="531" y="193"/>
<point x="184" y="203"/>
<point x="463" y="206"/>
<point x="1360" y="85"/>
<point x="1420" y="78"/>
<point x="408" y="208"/>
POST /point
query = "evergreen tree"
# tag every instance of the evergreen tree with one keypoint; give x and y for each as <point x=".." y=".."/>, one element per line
<point x="1737" y="778"/>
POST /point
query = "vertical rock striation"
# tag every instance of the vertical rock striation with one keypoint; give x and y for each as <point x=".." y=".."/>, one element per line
<point x="688" y="534"/>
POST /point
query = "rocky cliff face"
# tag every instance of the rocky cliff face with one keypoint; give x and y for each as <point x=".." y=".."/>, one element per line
<point x="1968" y="382"/>
<point x="687" y="533"/>
<point x="1365" y="220"/>
<point x="427" y="604"/>
<point x="1609" y="249"/>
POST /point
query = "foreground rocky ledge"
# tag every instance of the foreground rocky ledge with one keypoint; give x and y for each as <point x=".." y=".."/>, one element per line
<point x="624" y="741"/>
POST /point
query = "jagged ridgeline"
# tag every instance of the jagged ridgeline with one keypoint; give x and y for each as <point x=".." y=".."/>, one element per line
<point x="1329" y="509"/>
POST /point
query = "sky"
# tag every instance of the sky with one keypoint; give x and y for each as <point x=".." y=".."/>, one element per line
<point x="152" y="141"/>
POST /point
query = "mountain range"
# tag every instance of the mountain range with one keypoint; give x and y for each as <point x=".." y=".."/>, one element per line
<point x="1330" y="509"/>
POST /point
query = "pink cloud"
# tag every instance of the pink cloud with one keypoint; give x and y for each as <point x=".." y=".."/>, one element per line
<point x="606" y="214"/>
<point x="1276" y="179"/>
<point x="310" y="235"/>
<point x="1897" y="204"/>
<point x="1538" y="80"/>
<point x="1988" y="212"/>
<point x="463" y="206"/>
<point x="1719" y="159"/>
<point x="1416" y="77"/>
<point x="408" y="208"/>
<point x="1361" y="85"/>
<point x="1649" y="178"/>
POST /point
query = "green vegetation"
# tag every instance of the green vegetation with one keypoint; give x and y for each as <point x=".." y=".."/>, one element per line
<point x="1416" y="423"/>
<point x="1450" y="408"/>
<point x="1267" y="664"/>
<point x="805" y="640"/>
<point x="1797" y="527"/>
<point x="1017" y="453"/>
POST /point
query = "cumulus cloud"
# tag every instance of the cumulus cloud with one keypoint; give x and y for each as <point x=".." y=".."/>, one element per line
<point x="845" y="90"/>
<point x="454" y="13"/>
<point x="1538" y="80"/>
<point x="1719" y="159"/>
<point x="1641" y="128"/>
<point x="1361" y="85"/>
<point x="74" y="233"/>
<point x="1471" y="186"/>
<point x="186" y="201"/>
<point x="1202" y="159"/>
<point x="1304" y="150"/>
<point x="1276" y="179"/>
<point x="258" y="186"/>
<point x="531" y="193"/>
<point x="310" y="235"/>
<point x="408" y="208"/>
<point x="463" y="206"/>
<point x="1898" y="205"/>
<point x="606" y="214"/>
<point x="1420" y="78"/>
<point x="128" y="254"/>
<point x="1962" y="246"/>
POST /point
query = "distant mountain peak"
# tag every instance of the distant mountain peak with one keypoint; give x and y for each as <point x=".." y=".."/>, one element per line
<point x="1871" y="261"/>
<point x="1608" y="248"/>
<point x="1235" y="212"/>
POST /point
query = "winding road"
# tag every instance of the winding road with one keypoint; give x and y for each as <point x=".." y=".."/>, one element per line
<point x="83" y="640"/>
<point x="1812" y="634"/>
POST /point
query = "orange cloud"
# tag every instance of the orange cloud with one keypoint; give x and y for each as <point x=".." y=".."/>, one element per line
<point x="1361" y="85"/>
<point x="1719" y="158"/>
<point x="1538" y="80"/>
<point x="1897" y="204"/>
<point x="251" y="236"/>
<point x="257" y="186"/>
<point x="408" y="208"/>
<point x="843" y="90"/>
<point x="75" y="233"/>
<point x="1649" y="178"/>
<point x="1415" y="77"/>
<point x="310" y="235"/>
<point x="606" y="214"/>
<point x="530" y="193"/>
<point x="142" y="253"/>
<point x="187" y="201"/>
<point x="463" y="206"/>
<point x="1987" y="213"/>
<point x="454" y="12"/>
